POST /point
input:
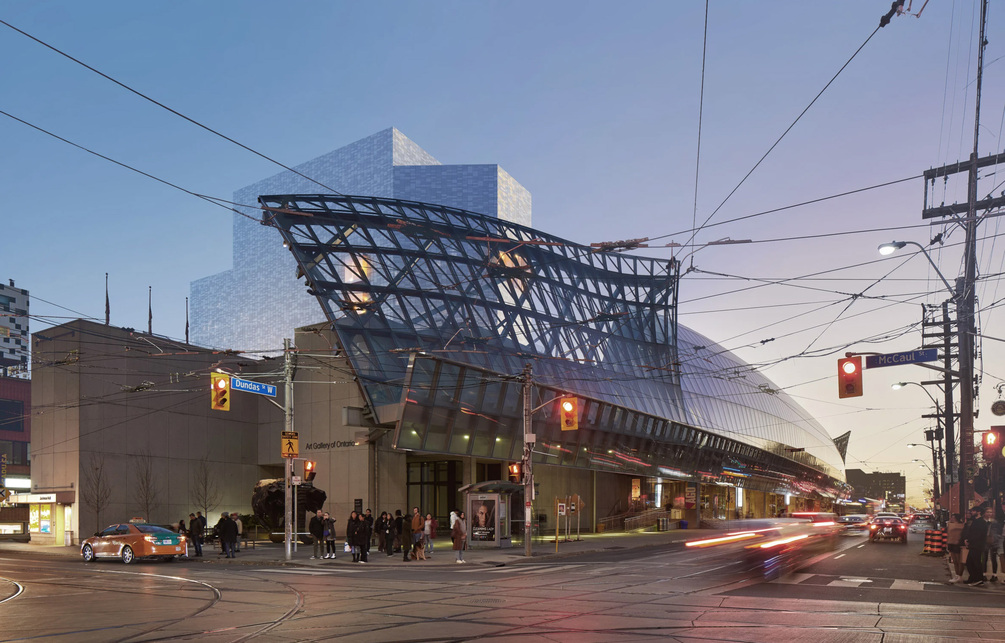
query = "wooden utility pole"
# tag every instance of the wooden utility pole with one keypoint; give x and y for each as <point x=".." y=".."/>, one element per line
<point x="965" y="295"/>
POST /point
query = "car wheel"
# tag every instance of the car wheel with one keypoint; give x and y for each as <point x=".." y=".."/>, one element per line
<point x="127" y="555"/>
<point x="87" y="553"/>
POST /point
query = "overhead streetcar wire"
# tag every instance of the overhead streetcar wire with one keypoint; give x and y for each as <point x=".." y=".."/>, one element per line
<point x="882" y="24"/>
<point x="163" y="106"/>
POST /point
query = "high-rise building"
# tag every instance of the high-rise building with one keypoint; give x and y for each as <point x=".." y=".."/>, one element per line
<point x="13" y="331"/>
<point x="259" y="302"/>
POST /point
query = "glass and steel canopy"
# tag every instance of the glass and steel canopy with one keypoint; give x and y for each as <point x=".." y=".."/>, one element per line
<point x="424" y="297"/>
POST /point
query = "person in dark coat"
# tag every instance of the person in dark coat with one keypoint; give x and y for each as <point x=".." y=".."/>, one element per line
<point x="380" y="529"/>
<point x="390" y="533"/>
<point x="193" y="534"/>
<point x="317" y="529"/>
<point x="976" y="537"/>
<point x="362" y="538"/>
<point x="368" y="517"/>
<point x="404" y="533"/>
<point x="226" y="531"/>
<point x="352" y="535"/>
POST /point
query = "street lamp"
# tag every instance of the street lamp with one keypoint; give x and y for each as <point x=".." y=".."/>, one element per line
<point x="892" y="247"/>
<point x="937" y="465"/>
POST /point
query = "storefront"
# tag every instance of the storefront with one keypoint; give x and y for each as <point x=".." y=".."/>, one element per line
<point x="49" y="517"/>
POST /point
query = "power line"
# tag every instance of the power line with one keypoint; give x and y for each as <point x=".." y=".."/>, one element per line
<point x="163" y="106"/>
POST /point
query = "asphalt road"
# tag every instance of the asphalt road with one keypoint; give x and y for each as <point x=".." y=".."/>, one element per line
<point x="860" y="592"/>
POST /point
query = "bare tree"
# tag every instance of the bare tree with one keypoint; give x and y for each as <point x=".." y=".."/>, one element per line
<point x="147" y="489"/>
<point x="205" y="493"/>
<point x="95" y="487"/>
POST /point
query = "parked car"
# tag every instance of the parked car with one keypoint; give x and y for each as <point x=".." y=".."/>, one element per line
<point x="129" y="541"/>
<point x="887" y="528"/>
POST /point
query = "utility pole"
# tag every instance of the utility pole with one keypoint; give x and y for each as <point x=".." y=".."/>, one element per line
<point x="288" y="425"/>
<point x="965" y="295"/>
<point x="528" y="457"/>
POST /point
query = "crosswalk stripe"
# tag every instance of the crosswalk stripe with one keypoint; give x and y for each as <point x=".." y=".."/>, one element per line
<point x="312" y="572"/>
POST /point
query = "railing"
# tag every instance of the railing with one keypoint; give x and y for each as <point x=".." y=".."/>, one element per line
<point x="646" y="519"/>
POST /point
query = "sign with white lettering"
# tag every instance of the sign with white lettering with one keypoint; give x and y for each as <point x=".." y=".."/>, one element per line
<point x="899" y="359"/>
<point x="237" y="384"/>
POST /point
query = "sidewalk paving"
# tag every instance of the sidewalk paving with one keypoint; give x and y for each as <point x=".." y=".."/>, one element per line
<point x="268" y="553"/>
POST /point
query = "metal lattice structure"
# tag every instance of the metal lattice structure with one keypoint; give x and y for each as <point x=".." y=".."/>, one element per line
<point x="439" y="309"/>
<point x="398" y="276"/>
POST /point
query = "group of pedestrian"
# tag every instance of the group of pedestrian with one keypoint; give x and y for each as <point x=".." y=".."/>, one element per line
<point x="228" y="531"/>
<point x="358" y="534"/>
<point x="196" y="531"/>
<point x="981" y="537"/>
<point x="411" y="536"/>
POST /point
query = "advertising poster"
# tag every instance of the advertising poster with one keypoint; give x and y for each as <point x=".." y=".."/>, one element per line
<point x="45" y="519"/>
<point x="483" y="519"/>
<point x="691" y="496"/>
<point x="33" y="518"/>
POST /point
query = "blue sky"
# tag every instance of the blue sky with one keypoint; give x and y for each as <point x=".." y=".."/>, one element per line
<point x="593" y="106"/>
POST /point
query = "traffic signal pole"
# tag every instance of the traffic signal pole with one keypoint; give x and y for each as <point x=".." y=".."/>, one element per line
<point x="528" y="459"/>
<point x="288" y="424"/>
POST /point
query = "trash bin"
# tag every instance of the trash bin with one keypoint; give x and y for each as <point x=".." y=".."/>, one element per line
<point x="683" y="524"/>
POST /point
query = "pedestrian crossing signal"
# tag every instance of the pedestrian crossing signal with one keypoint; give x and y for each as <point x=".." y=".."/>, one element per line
<point x="514" y="472"/>
<point x="221" y="392"/>
<point x="310" y="470"/>
<point x="568" y="413"/>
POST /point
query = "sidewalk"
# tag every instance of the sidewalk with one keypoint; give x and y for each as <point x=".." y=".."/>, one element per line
<point x="268" y="553"/>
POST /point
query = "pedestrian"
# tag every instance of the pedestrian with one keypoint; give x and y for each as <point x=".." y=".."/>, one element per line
<point x="193" y="533"/>
<point x="368" y="518"/>
<point x="399" y="528"/>
<point x="954" y="544"/>
<point x="405" y="534"/>
<point x="363" y="533"/>
<point x="317" y="530"/>
<point x="240" y="531"/>
<point x="976" y="539"/>
<point x="417" y="524"/>
<point x="390" y="533"/>
<point x="329" y="536"/>
<point x="380" y="527"/>
<point x="995" y="545"/>
<point x="458" y="534"/>
<point x="429" y="533"/>
<point x="226" y="533"/>
<point x="352" y="534"/>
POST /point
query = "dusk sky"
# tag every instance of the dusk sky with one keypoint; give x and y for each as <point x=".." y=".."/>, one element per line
<point x="592" y="106"/>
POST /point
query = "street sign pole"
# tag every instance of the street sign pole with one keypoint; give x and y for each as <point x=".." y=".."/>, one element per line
<point x="288" y="412"/>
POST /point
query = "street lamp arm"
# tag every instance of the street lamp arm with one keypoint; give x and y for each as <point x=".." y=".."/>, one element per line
<point x="893" y="246"/>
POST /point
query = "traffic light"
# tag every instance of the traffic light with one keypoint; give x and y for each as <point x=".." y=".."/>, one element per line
<point x="221" y="391"/>
<point x="310" y="470"/>
<point x="992" y="444"/>
<point x="568" y="413"/>
<point x="514" y="472"/>
<point x="850" y="377"/>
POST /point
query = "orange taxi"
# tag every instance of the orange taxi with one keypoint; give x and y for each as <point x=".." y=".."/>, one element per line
<point x="129" y="541"/>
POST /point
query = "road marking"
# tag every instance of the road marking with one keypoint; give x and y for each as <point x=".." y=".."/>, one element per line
<point x="860" y="546"/>
<point x="312" y="572"/>
<point x="794" y="578"/>
<point x="839" y="556"/>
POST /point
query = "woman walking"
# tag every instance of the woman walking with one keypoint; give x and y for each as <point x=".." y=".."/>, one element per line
<point x="458" y="535"/>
